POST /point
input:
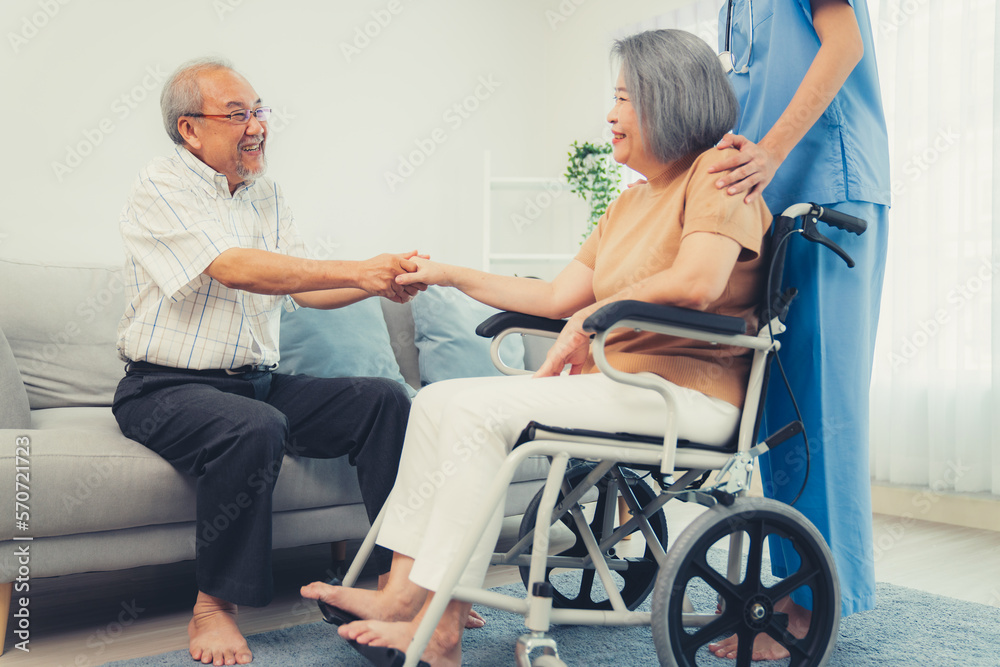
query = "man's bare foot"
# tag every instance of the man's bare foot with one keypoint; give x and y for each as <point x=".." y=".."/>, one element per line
<point x="215" y="637"/>
<point x="764" y="646"/>
<point x="444" y="649"/>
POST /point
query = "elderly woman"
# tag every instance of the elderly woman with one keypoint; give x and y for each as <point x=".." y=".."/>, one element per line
<point x="675" y="239"/>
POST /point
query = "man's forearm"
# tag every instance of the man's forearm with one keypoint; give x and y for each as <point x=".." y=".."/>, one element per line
<point x="263" y="272"/>
<point x="331" y="298"/>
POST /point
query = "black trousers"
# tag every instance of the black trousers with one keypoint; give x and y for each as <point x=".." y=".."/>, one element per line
<point x="230" y="433"/>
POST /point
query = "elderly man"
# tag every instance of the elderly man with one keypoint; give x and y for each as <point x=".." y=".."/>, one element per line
<point x="212" y="255"/>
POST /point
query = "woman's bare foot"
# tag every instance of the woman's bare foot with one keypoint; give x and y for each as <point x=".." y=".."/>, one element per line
<point x="764" y="646"/>
<point x="215" y="637"/>
<point x="375" y="605"/>
<point x="388" y="604"/>
<point x="443" y="650"/>
<point x="474" y="621"/>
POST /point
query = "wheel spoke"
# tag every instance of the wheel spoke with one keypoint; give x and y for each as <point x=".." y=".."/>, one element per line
<point x="587" y="585"/>
<point x="786" y="586"/>
<point x="725" y="625"/>
<point x="744" y="649"/>
<point x="755" y="559"/>
<point x="714" y="579"/>
<point x="778" y="631"/>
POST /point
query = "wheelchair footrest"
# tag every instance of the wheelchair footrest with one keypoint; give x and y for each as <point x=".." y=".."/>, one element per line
<point x="709" y="498"/>
<point x="382" y="656"/>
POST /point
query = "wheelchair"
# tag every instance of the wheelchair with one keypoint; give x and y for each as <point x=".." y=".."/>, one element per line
<point x="713" y="582"/>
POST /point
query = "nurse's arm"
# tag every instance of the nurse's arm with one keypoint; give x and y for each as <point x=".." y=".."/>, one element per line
<point x="841" y="49"/>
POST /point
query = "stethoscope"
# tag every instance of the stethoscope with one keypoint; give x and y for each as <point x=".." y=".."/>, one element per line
<point x="726" y="57"/>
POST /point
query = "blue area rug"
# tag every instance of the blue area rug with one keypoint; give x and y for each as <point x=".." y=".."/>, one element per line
<point x="907" y="628"/>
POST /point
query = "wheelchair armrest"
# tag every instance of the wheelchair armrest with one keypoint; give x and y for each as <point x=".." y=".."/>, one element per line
<point x="609" y="315"/>
<point x="508" y="323"/>
<point x="500" y="322"/>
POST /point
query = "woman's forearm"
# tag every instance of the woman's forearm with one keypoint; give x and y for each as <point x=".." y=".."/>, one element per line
<point x="524" y="295"/>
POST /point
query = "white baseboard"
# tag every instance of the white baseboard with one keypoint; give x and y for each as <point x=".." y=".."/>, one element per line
<point x="980" y="511"/>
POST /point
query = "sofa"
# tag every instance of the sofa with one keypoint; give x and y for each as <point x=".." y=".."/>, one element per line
<point x="92" y="500"/>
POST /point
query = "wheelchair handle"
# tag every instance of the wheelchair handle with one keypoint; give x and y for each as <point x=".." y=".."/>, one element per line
<point x="840" y="220"/>
<point x="812" y="214"/>
<point x="810" y="231"/>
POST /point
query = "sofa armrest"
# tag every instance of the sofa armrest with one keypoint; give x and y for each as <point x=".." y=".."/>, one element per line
<point x="14" y="410"/>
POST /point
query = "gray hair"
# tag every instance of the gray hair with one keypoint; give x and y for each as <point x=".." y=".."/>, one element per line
<point x="182" y="92"/>
<point x="682" y="98"/>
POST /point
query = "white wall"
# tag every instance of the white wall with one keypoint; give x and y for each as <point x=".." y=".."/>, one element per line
<point x="82" y="82"/>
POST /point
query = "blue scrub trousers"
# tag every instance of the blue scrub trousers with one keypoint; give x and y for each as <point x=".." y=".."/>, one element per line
<point x="827" y="354"/>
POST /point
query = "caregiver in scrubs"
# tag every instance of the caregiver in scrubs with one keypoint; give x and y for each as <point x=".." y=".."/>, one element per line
<point x="811" y="128"/>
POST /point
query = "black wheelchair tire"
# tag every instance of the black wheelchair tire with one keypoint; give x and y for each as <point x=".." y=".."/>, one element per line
<point x="758" y="517"/>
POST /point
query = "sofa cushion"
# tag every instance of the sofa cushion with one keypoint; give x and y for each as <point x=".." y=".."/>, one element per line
<point x="61" y="323"/>
<point x="14" y="412"/>
<point x="345" y="342"/>
<point x="80" y="461"/>
<point x="445" y="320"/>
<point x="87" y="477"/>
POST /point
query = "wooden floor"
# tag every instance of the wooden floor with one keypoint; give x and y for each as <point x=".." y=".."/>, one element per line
<point x="88" y="620"/>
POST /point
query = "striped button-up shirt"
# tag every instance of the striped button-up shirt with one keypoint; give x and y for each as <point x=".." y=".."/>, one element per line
<point x="178" y="219"/>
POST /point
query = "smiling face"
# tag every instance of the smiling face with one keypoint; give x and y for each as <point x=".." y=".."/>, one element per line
<point x="628" y="146"/>
<point x="232" y="148"/>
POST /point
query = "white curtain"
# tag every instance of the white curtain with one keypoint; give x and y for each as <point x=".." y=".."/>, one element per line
<point x="935" y="414"/>
<point x="933" y="401"/>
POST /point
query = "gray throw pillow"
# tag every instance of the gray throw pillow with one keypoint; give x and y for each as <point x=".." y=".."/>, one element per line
<point x="446" y="321"/>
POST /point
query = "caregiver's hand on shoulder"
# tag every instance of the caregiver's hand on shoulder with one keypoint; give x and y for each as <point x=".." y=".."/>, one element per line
<point x="748" y="171"/>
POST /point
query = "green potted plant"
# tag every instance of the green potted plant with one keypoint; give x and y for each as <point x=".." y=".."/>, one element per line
<point x="595" y="176"/>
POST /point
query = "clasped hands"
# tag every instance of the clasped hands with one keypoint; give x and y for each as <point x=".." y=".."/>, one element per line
<point x="378" y="276"/>
<point x="571" y="347"/>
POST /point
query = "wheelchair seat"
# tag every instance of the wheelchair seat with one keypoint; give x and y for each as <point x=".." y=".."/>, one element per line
<point x="534" y="430"/>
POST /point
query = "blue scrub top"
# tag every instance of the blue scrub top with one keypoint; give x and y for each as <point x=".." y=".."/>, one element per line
<point x="845" y="155"/>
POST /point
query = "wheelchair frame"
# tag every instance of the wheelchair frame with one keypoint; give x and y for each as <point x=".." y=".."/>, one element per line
<point x="733" y="482"/>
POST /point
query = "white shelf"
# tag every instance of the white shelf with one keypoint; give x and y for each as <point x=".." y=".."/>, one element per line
<point x="541" y="184"/>
<point x="516" y="256"/>
<point x="527" y="183"/>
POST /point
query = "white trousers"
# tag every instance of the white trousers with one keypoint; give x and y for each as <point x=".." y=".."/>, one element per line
<point x="460" y="431"/>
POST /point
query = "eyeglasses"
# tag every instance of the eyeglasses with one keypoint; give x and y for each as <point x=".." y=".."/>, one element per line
<point x="241" y="116"/>
<point x="726" y="57"/>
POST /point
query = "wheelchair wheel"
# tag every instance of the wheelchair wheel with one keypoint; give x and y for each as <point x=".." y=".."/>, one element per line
<point x="696" y="568"/>
<point x="636" y="582"/>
